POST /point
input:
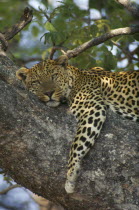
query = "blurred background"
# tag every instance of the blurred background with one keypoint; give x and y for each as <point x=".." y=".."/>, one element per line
<point x="64" y="24"/>
<point x="68" y="24"/>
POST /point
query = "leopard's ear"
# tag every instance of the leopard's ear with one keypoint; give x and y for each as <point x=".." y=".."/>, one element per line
<point x="21" y="74"/>
<point x="62" y="60"/>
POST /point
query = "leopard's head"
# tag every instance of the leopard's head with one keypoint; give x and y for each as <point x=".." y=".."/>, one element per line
<point x="50" y="80"/>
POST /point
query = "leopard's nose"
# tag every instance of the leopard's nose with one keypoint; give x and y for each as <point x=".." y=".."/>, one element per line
<point x="49" y="93"/>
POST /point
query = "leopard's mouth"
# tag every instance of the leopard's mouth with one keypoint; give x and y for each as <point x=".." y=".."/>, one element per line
<point x="53" y="103"/>
<point x="54" y="98"/>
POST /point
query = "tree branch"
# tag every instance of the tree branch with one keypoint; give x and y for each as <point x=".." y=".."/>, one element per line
<point x="55" y="48"/>
<point x="9" y="188"/>
<point x="4" y="43"/>
<point x="24" y="20"/>
<point x="38" y="139"/>
<point x="130" y="6"/>
<point x="101" y="39"/>
<point x="16" y="28"/>
<point x="129" y="55"/>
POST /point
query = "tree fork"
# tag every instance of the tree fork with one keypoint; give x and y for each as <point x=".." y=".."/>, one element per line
<point x="35" y="142"/>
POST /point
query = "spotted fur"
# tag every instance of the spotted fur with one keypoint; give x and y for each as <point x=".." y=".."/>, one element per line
<point x="89" y="93"/>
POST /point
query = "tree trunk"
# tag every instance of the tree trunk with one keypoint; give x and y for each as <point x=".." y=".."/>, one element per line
<point x="35" y="142"/>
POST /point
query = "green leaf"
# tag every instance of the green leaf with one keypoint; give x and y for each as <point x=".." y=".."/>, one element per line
<point x="91" y="4"/>
<point x="93" y="30"/>
<point x="53" y="36"/>
<point x="136" y="36"/>
<point x="109" y="61"/>
<point x="35" y="31"/>
<point x="49" y="27"/>
<point x="46" y="37"/>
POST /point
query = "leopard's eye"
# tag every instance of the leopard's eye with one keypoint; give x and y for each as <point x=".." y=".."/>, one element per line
<point x="23" y="76"/>
<point x="36" y="82"/>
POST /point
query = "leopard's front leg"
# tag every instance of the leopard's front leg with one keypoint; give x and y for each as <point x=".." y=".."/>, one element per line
<point x="89" y="126"/>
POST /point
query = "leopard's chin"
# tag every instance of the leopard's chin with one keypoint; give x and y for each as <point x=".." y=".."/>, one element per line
<point x="53" y="103"/>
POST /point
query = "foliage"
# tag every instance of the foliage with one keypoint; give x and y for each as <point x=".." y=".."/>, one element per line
<point x="68" y="26"/>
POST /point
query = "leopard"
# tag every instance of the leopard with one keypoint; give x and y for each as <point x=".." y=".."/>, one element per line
<point x="89" y="93"/>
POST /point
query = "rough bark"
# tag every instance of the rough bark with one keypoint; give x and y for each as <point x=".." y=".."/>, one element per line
<point x="131" y="6"/>
<point x="35" y="142"/>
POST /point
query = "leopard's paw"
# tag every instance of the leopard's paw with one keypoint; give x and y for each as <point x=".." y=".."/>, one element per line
<point x="69" y="186"/>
